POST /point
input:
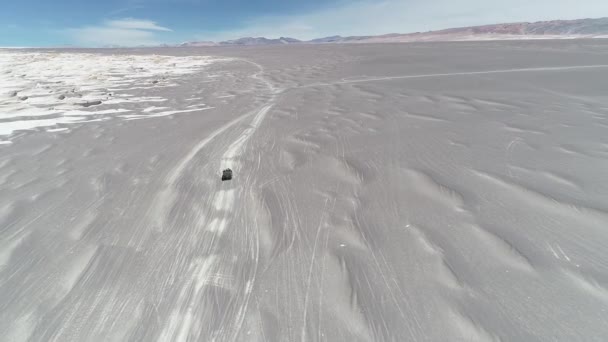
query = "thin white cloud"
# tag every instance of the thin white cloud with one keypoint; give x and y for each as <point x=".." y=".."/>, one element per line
<point x="368" y="17"/>
<point x="118" y="32"/>
<point x="135" y="24"/>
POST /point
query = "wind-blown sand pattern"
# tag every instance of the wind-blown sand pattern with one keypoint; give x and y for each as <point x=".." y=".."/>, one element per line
<point x="432" y="192"/>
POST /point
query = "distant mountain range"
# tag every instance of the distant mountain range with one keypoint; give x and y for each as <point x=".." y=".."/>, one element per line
<point x="556" y="29"/>
<point x="247" y="41"/>
<point x="261" y="41"/>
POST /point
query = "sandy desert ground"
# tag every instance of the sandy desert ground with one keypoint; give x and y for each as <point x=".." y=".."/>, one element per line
<point x="392" y="192"/>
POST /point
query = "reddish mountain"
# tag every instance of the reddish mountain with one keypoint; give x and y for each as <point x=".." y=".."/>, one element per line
<point x="556" y="29"/>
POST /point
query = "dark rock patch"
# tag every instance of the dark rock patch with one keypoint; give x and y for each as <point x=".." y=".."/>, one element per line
<point x="90" y="103"/>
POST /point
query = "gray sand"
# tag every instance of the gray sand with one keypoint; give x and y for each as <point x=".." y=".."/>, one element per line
<point x="424" y="192"/>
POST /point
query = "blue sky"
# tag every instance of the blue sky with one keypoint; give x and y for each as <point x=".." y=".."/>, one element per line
<point x="150" y="22"/>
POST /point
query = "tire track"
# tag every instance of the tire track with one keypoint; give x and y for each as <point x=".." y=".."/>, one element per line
<point x="223" y="209"/>
<point x="470" y="73"/>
